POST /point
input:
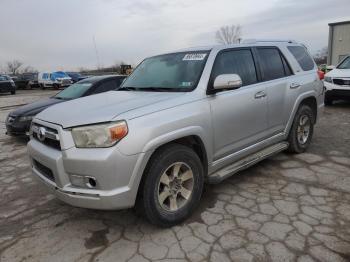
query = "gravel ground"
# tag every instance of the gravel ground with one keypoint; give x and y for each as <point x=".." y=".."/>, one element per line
<point x="286" y="208"/>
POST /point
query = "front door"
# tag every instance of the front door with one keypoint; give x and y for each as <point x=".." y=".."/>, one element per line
<point x="239" y="116"/>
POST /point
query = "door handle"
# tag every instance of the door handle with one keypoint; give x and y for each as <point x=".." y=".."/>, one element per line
<point x="260" y="94"/>
<point x="294" y="85"/>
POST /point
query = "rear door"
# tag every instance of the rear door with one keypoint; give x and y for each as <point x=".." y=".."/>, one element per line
<point x="275" y="73"/>
<point x="239" y="116"/>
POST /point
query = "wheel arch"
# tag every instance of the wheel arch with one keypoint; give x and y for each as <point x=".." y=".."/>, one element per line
<point x="194" y="141"/>
<point x="309" y="99"/>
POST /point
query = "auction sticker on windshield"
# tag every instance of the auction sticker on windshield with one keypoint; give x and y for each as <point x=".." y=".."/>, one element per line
<point x="195" y="56"/>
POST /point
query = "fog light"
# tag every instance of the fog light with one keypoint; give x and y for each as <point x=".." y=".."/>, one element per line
<point x="83" y="181"/>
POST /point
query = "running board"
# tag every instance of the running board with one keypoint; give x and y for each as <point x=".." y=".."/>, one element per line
<point x="246" y="162"/>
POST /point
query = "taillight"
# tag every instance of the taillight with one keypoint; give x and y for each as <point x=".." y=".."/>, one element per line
<point x="320" y="74"/>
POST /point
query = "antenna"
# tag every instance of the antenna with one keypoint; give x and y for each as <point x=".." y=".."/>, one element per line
<point x="97" y="57"/>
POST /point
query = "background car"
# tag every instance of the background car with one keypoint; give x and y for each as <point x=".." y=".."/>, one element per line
<point x="56" y="80"/>
<point x="26" y="80"/>
<point x="337" y="82"/>
<point x="18" y="121"/>
<point x="76" y="77"/>
<point x="7" y="85"/>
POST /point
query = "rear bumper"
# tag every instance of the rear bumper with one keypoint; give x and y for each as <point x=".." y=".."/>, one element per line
<point x="117" y="175"/>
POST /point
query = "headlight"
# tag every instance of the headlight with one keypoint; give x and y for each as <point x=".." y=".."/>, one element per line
<point x="328" y="79"/>
<point x="25" y="118"/>
<point x="101" y="135"/>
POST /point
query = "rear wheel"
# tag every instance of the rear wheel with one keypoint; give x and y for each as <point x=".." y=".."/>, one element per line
<point x="172" y="186"/>
<point x="302" y="130"/>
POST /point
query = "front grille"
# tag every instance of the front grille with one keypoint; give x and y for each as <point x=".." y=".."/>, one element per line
<point x="49" y="142"/>
<point x="341" y="82"/>
<point x="49" y="136"/>
<point x="44" y="170"/>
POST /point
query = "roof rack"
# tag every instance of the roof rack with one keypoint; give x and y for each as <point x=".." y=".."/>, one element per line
<point x="252" y="41"/>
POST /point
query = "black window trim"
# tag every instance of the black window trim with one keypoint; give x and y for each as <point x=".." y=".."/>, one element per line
<point x="283" y="57"/>
<point x="210" y="88"/>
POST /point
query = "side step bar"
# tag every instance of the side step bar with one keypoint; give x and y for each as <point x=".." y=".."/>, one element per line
<point x="246" y="162"/>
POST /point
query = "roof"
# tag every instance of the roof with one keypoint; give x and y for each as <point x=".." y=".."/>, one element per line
<point x="248" y="42"/>
<point x="94" y="79"/>
<point x="339" y="23"/>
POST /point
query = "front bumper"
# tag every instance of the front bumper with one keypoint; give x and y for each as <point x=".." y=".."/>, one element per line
<point x="18" y="128"/>
<point x="117" y="175"/>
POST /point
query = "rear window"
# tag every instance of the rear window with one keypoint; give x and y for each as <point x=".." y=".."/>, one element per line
<point x="271" y="63"/>
<point x="303" y="58"/>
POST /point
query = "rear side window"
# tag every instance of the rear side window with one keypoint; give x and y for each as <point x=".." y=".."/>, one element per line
<point x="303" y="58"/>
<point x="238" y="62"/>
<point x="271" y="63"/>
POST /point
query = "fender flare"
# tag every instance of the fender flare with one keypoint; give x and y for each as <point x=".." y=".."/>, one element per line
<point x="296" y="106"/>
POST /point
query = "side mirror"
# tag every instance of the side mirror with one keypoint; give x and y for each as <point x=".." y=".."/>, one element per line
<point x="227" y="81"/>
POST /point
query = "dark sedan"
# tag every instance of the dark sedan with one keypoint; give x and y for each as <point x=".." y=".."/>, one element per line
<point x="76" y="77"/>
<point x="18" y="121"/>
<point x="7" y="85"/>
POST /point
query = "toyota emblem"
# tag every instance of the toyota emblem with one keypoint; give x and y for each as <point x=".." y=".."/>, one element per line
<point x="41" y="133"/>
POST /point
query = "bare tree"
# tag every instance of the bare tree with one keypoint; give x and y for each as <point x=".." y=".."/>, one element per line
<point x="29" y="69"/>
<point x="229" y="34"/>
<point x="13" y="66"/>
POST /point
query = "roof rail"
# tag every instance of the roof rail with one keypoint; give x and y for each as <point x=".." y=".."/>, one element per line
<point x="252" y="41"/>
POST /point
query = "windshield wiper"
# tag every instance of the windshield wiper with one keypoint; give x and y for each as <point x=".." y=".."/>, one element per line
<point x="61" y="98"/>
<point x="127" y="88"/>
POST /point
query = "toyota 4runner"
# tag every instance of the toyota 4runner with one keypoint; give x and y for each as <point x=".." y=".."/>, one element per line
<point x="181" y="119"/>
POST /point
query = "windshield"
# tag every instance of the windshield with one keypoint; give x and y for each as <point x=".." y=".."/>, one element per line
<point x="4" y="78"/>
<point x="345" y="64"/>
<point x="74" y="91"/>
<point x="58" y="74"/>
<point x="170" y="72"/>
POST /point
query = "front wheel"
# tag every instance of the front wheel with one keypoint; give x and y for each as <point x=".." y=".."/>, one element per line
<point x="302" y="130"/>
<point x="13" y="92"/>
<point x="172" y="186"/>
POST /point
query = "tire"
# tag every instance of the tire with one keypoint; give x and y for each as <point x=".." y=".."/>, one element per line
<point x="299" y="141"/>
<point x="327" y="100"/>
<point x="13" y="92"/>
<point x="156" y="199"/>
<point x="56" y="87"/>
<point x="42" y="86"/>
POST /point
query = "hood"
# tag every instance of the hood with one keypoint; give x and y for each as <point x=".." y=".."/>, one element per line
<point x="339" y="73"/>
<point x="36" y="107"/>
<point x="102" y="107"/>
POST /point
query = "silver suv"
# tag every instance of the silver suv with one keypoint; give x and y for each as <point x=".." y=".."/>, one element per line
<point x="181" y="119"/>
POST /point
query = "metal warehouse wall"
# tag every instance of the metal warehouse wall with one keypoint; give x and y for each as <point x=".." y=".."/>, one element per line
<point x="339" y="42"/>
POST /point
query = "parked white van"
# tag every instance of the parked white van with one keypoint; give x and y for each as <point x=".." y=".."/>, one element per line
<point x="56" y="80"/>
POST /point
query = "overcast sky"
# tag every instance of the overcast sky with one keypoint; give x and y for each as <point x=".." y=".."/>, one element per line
<point x="58" y="34"/>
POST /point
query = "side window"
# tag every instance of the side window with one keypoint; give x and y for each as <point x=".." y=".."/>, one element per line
<point x="271" y="63"/>
<point x="106" y="86"/>
<point x="303" y="58"/>
<point x="238" y="62"/>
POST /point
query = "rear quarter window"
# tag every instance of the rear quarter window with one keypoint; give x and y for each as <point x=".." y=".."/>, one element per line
<point x="303" y="58"/>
